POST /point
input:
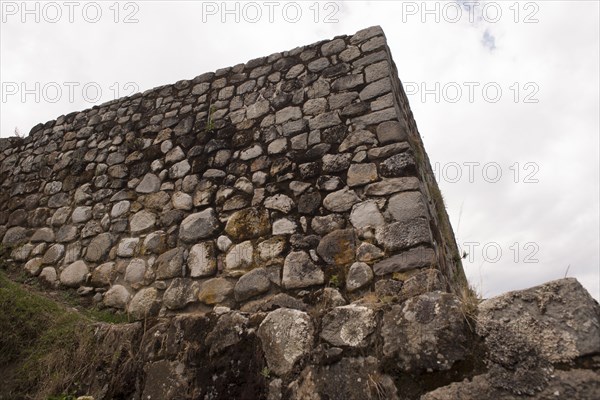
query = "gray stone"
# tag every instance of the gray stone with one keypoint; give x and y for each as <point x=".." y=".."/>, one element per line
<point x="341" y="100"/>
<point x="53" y="254"/>
<point x="348" y="325"/>
<point x="15" y="235"/>
<point x="119" y="209"/>
<point x="215" y="291"/>
<point x="324" y="120"/>
<point x="347" y="82"/>
<point x="359" y="275"/>
<point x="45" y="235"/>
<point x="338" y="247"/>
<point x="142" y="222"/>
<point x="329" y="183"/>
<point x="376" y="89"/>
<point x="407" y="205"/>
<point x="446" y="339"/>
<point x="392" y="185"/>
<point x="279" y="202"/>
<point x="257" y="109"/>
<point x="240" y="256"/>
<point x="298" y="187"/>
<point x="174" y="155"/>
<point x="66" y="233"/>
<point x="252" y="284"/>
<point x="286" y="336"/>
<point x="287" y="114"/>
<point x="391" y="131"/>
<point x="74" y="274"/>
<point x="377" y="71"/>
<point x="135" y="272"/>
<point x="149" y="184"/>
<point x="299" y="271"/>
<point x="419" y="257"/>
<point x="544" y="318"/>
<point x="368" y="252"/>
<point x="387" y="151"/>
<point x="333" y="47"/>
<point x="103" y="274"/>
<point x="398" y="165"/>
<point x="361" y="174"/>
<point x="284" y="226"/>
<point x="341" y="200"/>
<point x="126" y="247"/>
<point x="182" y="201"/>
<point x="34" y="266"/>
<point x="315" y="106"/>
<point x="99" y="247"/>
<point x="199" y="225"/>
<point x="169" y="264"/>
<point x="117" y="297"/>
<point x="249" y="223"/>
<point x="366" y="214"/>
<point x="403" y="235"/>
<point x="271" y="248"/>
<point x="277" y="146"/>
<point x="180" y="293"/>
<point x="358" y="138"/>
<point x="144" y="304"/>
<point x="365" y="34"/>
<point x="48" y="276"/>
<point x="309" y="203"/>
<point x="202" y="260"/>
<point x="327" y="223"/>
<point x="180" y="169"/>
<point x="374" y="117"/>
<point x="336" y="162"/>
<point x="251" y="152"/>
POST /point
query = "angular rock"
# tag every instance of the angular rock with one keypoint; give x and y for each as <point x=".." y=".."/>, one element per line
<point x="361" y="174"/>
<point x="252" y="284"/>
<point x="403" y="235"/>
<point x="34" y="266"/>
<point x="279" y="202"/>
<point x="419" y="257"/>
<point x="199" y="225"/>
<point x="366" y="214"/>
<point x="338" y="247"/>
<point x="240" y="256"/>
<point x="392" y="185"/>
<point x="299" y="271"/>
<point x="149" y="184"/>
<point x="357" y="138"/>
<point x="446" y="340"/>
<point x="407" y="205"/>
<point x="202" y="260"/>
<point x="391" y="131"/>
<point x="135" y="272"/>
<point x="402" y="164"/>
<point x="142" y="222"/>
<point x="249" y="223"/>
<point x="309" y="202"/>
<point x="180" y="293"/>
<point x="336" y="162"/>
<point x="99" y="247"/>
<point x="127" y="246"/>
<point x="286" y="336"/>
<point x="284" y="226"/>
<point x="53" y="254"/>
<point x="348" y="325"/>
<point x="327" y="223"/>
<point x="169" y="264"/>
<point x="103" y="274"/>
<point x="341" y="200"/>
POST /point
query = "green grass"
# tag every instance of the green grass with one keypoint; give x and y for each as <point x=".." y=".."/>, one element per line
<point x="43" y="344"/>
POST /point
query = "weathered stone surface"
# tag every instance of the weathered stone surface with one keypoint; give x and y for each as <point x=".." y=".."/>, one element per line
<point x="407" y="205"/>
<point x="149" y="184"/>
<point x="392" y="185"/>
<point x="543" y="317"/>
<point x="405" y="234"/>
<point x="239" y="256"/>
<point x="286" y="336"/>
<point x="34" y="266"/>
<point x="45" y="235"/>
<point x="338" y="247"/>
<point x="103" y="274"/>
<point x="336" y="162"/>
<point x="348" y="325"/>
<point x="341" y="200"/>
<point x="359" y="275"/>
<point x="169" y="264"/>
<point x="179" y="170"/>
<point x="377" y="153"/>
<point x="309" y="202"/>
<point x="74" y="274"/>
<point x="402" y="164"/>
<point x="366" y="214"/>
<point x="391" y="131"/>
<point x="127" y="246"/>
<point x="215" y="291"/>
<point x="357" y="138"/>
<point x="376" y="89"/>
<point x="252" y="284"/>
<point x="99" y="247"/>
<point x="322" y="225"/>
<point x="49" y="276"/>
<point x="271" y="248"/>
<point x="419" y="257"/>
<point x="299" y="271"/>
<point x="428" y="332"/>
<point x="15" y="235"/>
<point x="180" y="293"/>
<point x="361" y="174"/>
<point x="117" y="297"/>
<point x="284" y="226"/>
<point x="249" y="223"/>
<point x="53" y="254"/>
<point x="144" y="304"/>
<point x="199" y="225"/>
<point x="355" y="379"/>
<point x="279" y="202"/>
<point x="202" y="260"/>
<point x="135" y="272"/>
<point x="142" y="222"/>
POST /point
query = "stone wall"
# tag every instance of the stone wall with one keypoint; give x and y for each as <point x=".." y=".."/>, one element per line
<point x="294" y="175"/>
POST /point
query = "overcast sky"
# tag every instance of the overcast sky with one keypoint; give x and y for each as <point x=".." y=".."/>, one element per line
<point x="505" y="95"/>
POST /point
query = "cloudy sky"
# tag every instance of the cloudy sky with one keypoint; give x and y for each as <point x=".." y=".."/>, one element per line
<point x="505" y="94"/>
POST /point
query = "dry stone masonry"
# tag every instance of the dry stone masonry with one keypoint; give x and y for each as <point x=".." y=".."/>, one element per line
<point x="280" y="223"/>
<point x="288" y="174"/>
